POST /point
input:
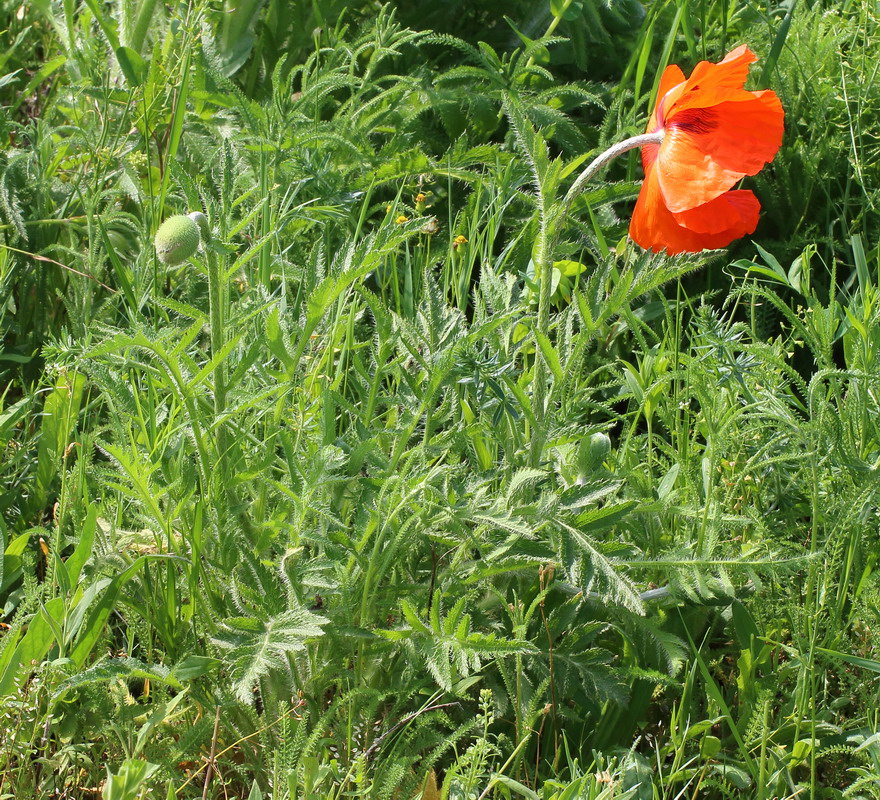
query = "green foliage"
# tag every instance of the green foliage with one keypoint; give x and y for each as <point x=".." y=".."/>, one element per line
<point x="257" y="646"/>
<point x="128" y="782"/>
<point x="417" y="479"/>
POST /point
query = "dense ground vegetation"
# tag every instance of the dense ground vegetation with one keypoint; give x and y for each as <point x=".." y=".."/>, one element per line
<point x="330" y="510"/>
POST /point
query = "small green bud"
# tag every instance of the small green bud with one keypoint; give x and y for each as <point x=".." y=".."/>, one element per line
<point x="177" y="239"/>
<point x="202" y="221"/>
<point x="591" y="453"/>
<point x="600" y="447"/>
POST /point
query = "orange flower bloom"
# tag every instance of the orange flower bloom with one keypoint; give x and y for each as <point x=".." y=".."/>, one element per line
<point x="714" y="133"/>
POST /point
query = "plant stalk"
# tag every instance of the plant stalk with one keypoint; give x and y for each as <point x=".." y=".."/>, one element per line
<point x="217" y="315"/>
<point x="601" y="160"/>
<point x="544" y="271"/>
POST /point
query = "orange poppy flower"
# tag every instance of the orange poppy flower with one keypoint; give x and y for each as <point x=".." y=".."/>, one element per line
<point x="714" y="133"/>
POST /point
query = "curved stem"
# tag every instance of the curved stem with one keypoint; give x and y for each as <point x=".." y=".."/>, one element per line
<point x="601" y="160"/>
<point x="543" y="258"/>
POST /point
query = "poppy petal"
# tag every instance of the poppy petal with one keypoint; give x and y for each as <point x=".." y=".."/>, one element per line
<point x="706" y="151"/>
<point x="649" y="155"/>
<point x="709" y="81"/>
<point x="716" y="224"/>
<point x="672" y="77"/>
<point x="714" y="133"/>
<point x="734" y="213"/>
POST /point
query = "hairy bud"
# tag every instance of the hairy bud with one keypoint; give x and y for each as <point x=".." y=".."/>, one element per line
<point x="178" y="238"/>
<point x="202" y="221"/>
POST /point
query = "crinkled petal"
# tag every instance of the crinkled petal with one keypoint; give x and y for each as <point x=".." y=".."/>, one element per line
<point x="709" y="82"/>
<point x="732" y="214"/>
<point x="713" y="225"/>
<point x="649" y="155"/>
<point x="672" y="77"/>
<point x="706" y="151"/>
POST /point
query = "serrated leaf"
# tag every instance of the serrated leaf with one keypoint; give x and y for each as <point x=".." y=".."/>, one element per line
<point x="258" y="645"/>
<point x="605" y="517"/>
<point x="550" y="355"/>
<point x="578" y="497"/>
<point x="114" y="669"/>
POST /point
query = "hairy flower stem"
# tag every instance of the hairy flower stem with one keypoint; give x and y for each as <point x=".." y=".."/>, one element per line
<point x="550" y="228"/>
<point x="543" y="270"/>
<point x="226" y="493"/>
<point x="216" y="300"/>
<point x="600" y="161"/>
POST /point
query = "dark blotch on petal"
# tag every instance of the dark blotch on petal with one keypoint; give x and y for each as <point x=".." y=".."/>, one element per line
<point x="695" y="120"/>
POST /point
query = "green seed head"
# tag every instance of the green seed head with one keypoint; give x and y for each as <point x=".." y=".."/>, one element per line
<point x="177" y="239"/>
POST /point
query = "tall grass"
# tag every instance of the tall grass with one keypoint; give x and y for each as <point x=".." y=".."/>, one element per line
<point x="417" y="480"/>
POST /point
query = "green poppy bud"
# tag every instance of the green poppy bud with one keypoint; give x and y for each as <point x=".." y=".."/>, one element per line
<point x="177" y="239"/>
<point x="202" y="221"/>
<point x="599" y="448"/>
<point x="592" y="453"/>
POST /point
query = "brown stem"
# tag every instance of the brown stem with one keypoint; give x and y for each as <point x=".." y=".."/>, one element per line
<point x="209" y="772"/>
